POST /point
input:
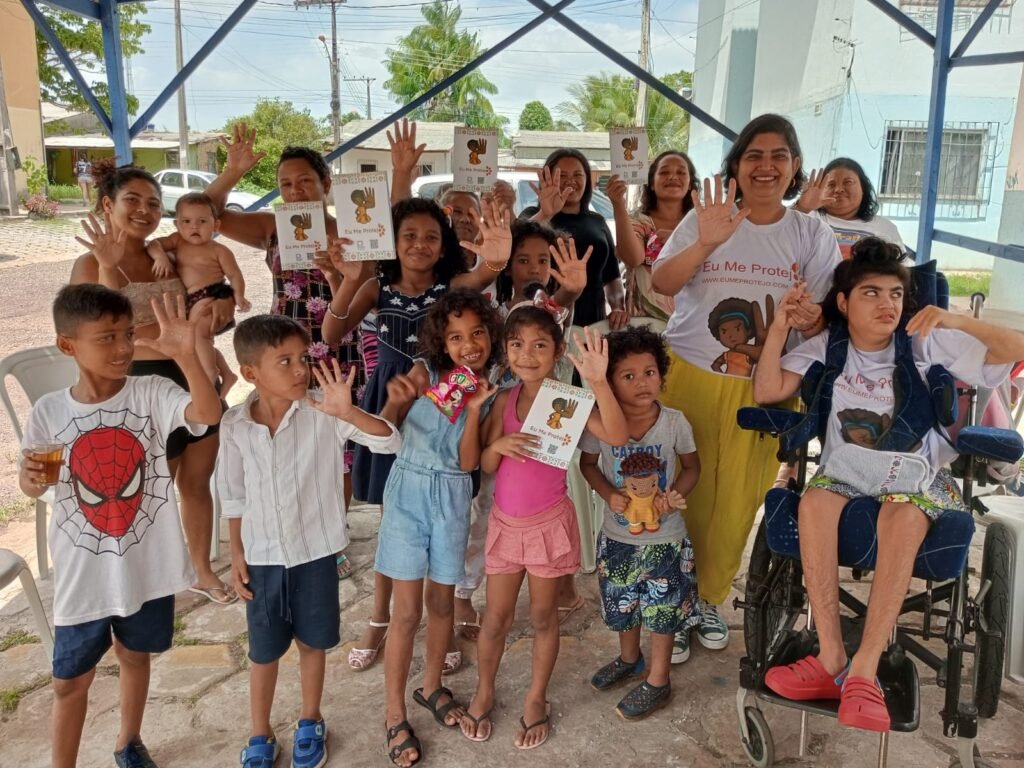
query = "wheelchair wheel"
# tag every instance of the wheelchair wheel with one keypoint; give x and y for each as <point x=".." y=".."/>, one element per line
<point x="988" y="660"/>
<point x="759" y="749"/>
<point x="766" y="591"/>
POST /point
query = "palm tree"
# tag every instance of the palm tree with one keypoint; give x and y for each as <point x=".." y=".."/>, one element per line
<point x="429" y="54"/>
<point x="608" y="101"/>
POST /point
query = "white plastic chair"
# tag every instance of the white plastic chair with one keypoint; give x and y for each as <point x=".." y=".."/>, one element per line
<point x="12" y="566"/>
<point x="38" y="371"/>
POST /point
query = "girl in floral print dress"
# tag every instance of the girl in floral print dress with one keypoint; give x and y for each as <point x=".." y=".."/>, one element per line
<point x="429" y="262"/>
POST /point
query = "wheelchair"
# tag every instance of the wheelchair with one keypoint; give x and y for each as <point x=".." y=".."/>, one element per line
<point x="975" y="625"/>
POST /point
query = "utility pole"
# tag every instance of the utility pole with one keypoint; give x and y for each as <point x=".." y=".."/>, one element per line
<point x="645" y="48"/>
<point x="334" y="61"/>
<point x="367" y="80"/>
<point x="182" y="117"/>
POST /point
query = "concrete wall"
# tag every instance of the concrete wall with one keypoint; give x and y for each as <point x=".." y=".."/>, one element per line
<point x="795" y="57"/>
<point x="350" y="161"/>
<point x="21" y="83"/>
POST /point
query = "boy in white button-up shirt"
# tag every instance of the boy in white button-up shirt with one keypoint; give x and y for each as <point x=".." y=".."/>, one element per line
<point x="280" y="479"/>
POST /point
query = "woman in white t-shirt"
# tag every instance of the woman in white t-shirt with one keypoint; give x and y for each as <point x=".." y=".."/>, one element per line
<point x="844" y="197"/>
<point x="870" y="298"/>
<point x="727" y="267"/>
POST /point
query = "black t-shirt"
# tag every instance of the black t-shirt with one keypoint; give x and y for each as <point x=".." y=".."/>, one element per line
<point x="588" y="229"/>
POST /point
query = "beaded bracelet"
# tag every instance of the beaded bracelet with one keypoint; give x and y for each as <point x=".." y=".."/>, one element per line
<point x="499" y="269"/>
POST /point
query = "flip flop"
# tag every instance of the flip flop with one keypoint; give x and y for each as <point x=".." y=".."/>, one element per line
<point x="340" y="562"/>
<point x="208" y="593"/>
<point x="565" y="612"/>
<point x="486" y="716"/>
<point x="527" y="728"/>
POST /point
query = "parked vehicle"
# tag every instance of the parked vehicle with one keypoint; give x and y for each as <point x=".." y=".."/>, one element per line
<point x="175" y="182"/>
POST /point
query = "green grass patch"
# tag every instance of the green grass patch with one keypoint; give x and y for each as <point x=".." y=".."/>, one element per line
<point x="966" y="283"/>
<point x="179" y="632"/>
<point x="15" y="509"/>
<point x="10" y="697"/>
<point x="69" y="193"/>
<point x="16" y="638"/>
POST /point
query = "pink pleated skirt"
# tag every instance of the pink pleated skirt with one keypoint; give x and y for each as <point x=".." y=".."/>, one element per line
<point x="546" y="544"/>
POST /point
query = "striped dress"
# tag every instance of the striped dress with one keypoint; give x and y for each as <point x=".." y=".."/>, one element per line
<point x="399" y="318"/>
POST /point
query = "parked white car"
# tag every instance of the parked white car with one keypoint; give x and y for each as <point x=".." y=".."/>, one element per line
<point x="175" y="182"/>
<point x="430" y="186"/>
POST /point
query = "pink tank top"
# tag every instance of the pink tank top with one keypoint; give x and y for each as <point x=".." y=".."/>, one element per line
<point x="525" y="488"/>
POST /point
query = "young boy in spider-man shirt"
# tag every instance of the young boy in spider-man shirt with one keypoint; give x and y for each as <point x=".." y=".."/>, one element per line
<point x="118" y="552"/>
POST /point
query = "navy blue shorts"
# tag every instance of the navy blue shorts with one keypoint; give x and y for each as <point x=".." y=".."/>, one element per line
<point x="299" y="602"/>
<point x="78" y="648"/>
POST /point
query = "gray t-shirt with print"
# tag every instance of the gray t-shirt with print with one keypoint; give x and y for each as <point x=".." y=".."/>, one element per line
<point x="668" y="437"/>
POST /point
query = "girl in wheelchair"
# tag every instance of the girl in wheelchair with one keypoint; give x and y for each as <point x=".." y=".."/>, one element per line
<point x="870" y="374"/>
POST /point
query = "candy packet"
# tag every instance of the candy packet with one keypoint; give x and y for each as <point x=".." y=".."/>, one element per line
<point x="449" y="394"/>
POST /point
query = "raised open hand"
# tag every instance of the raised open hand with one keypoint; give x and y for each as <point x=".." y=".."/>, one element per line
<point x="405" y="153"/>
<point x="104" y="241"/>
<point x="336" y="388"/>
<point x="592" y="360"/>
<point x="569" y="271"/>
<point x="716" y="219"/>
<point x="177" y="338"/>
<point x="241" y="149"/>
<point x="495" y="246"/>
<point x="550" y="195"/>
<point x="816" y="193"/>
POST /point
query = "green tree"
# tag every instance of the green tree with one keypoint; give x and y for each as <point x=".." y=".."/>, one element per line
<point x="278" y="124"/>
<point x="535" y="117"/>
<point x="428" y="54"/>
<point x="84" y="43"/>
<point x="607" y="101"/>
<point x="348" y="117"/>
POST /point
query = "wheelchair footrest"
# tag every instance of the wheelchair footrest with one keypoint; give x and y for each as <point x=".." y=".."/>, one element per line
<point x="897" y="675"/>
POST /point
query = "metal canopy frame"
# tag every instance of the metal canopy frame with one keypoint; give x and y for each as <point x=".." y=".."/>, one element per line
<point x="106" y="12"/>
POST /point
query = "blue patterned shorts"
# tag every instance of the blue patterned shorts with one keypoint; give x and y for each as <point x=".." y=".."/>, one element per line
<point x="654" y="585"/>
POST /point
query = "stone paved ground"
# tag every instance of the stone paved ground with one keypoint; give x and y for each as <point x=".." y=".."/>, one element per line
<point x="197" y="713"/>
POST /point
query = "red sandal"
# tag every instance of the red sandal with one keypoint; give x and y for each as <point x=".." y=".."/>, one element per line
<point x="863" y="706"/>
<point x="803" y="680"/>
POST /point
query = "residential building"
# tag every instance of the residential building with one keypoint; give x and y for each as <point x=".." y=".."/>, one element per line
<point x="856" y="84"/>
<point x="531" y="148"/>
<point x="153" y="150"/>
<point x="374" y="154"/>
<point x="21" y="93"/>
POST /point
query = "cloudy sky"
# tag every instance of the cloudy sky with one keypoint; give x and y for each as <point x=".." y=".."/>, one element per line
<point x="274" y="52"/>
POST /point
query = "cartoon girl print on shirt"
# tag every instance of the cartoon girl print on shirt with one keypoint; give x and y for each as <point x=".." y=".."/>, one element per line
<point x="741" y="328"/>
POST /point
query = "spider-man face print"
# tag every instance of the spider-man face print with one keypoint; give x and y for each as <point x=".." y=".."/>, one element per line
<point x="114" y="487"/>
<point x="108" y="467"/>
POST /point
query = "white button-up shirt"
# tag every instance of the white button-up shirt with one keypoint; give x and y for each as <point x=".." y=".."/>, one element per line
<point x="289" y="488"/>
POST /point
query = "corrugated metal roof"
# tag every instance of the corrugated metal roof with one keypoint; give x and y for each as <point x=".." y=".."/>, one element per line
<point x="439" y="137"/>
<point x="152" y="140"/>
<point x="559" y="139"/>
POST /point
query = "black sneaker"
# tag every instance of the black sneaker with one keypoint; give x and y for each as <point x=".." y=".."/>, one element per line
<point x="615" y="672"/>
<point x="643" y="700"/>
<point x="135" y="755"/>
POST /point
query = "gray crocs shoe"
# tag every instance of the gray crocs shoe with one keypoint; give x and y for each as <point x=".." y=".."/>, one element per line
<point x="615" y="672"/>
<point x="134" y="755"/>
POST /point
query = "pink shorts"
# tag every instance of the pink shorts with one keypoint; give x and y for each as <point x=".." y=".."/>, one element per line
<point x="546" y="544"/>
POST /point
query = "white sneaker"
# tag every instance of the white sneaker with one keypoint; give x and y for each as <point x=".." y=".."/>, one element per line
<point x="713" y="632"/>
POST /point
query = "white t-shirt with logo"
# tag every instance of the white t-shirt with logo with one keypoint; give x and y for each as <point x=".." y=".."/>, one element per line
<point x="115" y="533"/>
<point x="717" y="311"/>
<point x="849" y="231"/>
<point x="863" y="400"/>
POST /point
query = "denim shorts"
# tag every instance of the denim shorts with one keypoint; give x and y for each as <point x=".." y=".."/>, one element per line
<point x="653" y="585"/>
<point x="299" y="602"/>
<point x="424" y="529"/>
<point x="78" y="648"/>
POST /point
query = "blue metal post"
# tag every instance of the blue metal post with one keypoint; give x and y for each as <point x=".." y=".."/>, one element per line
<point x="209" y="47"/>
<point x="110" y="25"/>
<point x="65" y="58"/>
<point x="936" y="118"/>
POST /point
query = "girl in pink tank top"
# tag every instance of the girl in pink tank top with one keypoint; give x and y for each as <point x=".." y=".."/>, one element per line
<point x="532" y="531"/>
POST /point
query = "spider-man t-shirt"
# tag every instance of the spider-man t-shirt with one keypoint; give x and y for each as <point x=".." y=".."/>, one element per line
<point x="115" y="533"/>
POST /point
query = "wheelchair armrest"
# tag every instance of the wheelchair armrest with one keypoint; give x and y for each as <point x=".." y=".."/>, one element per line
<point x="990" y="443"/>
<point x="774" y="421"/>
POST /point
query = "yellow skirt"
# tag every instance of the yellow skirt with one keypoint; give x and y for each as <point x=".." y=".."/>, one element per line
<point x="737" y="467"/>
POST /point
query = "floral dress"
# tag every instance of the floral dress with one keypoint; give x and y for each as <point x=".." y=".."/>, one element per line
<point x="304" y="295"/>
<point x="399" y="318"/>
<point x="641" y="298"/>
